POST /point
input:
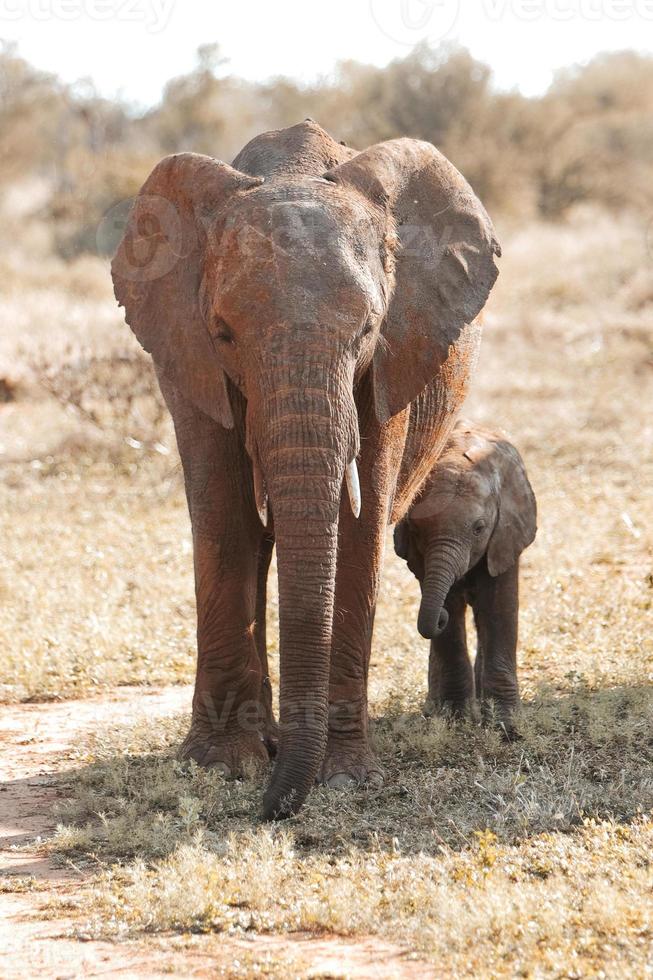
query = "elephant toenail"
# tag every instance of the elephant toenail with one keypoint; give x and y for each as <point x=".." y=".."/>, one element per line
<point x="222" y="768"/>
<point x="341" y="780"/>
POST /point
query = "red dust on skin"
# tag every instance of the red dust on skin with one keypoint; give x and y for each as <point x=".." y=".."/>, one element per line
<point x="302" y="285"/>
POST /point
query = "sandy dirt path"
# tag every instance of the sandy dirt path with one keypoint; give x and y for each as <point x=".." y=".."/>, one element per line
<point x="36" y="743"/>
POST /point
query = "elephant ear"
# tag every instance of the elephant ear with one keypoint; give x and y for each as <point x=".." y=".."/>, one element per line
<point x="157" y="273"/>
<point x="405" y="548"/>
<point x="517" y="521"/>
<point x="444" y="261"/>
<point x="400" y="538"/>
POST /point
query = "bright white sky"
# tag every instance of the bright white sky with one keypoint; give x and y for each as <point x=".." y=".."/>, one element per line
<point x="132" y="47"/>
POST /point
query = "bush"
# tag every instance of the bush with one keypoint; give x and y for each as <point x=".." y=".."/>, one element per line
<point x="587" y="140"/>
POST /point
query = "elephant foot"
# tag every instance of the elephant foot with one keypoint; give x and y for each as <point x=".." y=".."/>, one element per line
<point x="230" y="754"/>
<point x="501" y="715"/>
<point x="351" y="765"/>
<point x="450" y="709"/>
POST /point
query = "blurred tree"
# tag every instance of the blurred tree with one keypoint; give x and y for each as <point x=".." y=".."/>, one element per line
<point x="589" y="138"/>
<point x="191" y="114"/>
<point x="596" y="135"/>
<point x="31" y="103"/>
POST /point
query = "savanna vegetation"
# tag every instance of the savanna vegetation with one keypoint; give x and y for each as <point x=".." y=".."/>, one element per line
<point x="481" y="858"/>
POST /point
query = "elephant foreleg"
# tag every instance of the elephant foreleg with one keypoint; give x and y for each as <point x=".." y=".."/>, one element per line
<point x="229" y="711"/>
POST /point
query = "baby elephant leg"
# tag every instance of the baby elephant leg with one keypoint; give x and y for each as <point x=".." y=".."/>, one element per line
<point x="451" y="681"/>
<point x="496" y="610"/>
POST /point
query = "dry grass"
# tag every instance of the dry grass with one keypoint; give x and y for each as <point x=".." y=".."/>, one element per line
<point x="482" y="856"/>
<point x="529" y="859"/>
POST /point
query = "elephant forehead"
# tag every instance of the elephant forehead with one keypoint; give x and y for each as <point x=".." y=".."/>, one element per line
<point x="451" y="489"/>
<point x="297" y="250"/>
<point x="314" y="217"/>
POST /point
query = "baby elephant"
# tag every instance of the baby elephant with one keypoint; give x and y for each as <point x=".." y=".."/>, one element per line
<point x="462" y="539"/>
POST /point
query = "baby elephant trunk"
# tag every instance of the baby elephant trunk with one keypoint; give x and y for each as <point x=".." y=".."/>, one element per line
<point x="443" y="566"/>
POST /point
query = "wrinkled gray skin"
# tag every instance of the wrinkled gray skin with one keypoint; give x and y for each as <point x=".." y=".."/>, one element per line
<point x="462" y="540"/>
<point x="309" y="307"/>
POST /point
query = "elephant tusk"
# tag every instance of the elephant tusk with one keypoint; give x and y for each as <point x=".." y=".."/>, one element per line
<point x="260" y="493"/>
<point x="353" y="488"/>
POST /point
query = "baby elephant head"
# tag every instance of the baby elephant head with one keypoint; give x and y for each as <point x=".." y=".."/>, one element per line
<point x="477" y="503"/>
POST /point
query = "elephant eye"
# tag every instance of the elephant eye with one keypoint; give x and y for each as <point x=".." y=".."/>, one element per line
<point x="222" y="331"/>
<point x="478" y="526"/>
<point x="370" y="323"/>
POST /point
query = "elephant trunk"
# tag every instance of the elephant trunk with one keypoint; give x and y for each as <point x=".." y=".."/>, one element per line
<point x="305" y="446"/>
<point x="443" y="565"/>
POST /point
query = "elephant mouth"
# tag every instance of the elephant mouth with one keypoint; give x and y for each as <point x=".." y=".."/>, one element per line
<point x="352" y="482"/>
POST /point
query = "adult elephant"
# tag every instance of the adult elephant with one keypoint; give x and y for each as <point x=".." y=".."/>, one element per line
<point x="309" y="307"/>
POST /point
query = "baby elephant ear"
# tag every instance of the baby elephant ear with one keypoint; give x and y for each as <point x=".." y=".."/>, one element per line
<point x="517" y="521"/>
<point x="157" y="273"/>
<point x="444" y="261"/>
<point x="400" y="538"/>
<point x="403" y="549"/>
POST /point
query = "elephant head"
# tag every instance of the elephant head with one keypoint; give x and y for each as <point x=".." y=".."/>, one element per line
<point x="477" y="502"/>
<point x="289" y="287"/>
